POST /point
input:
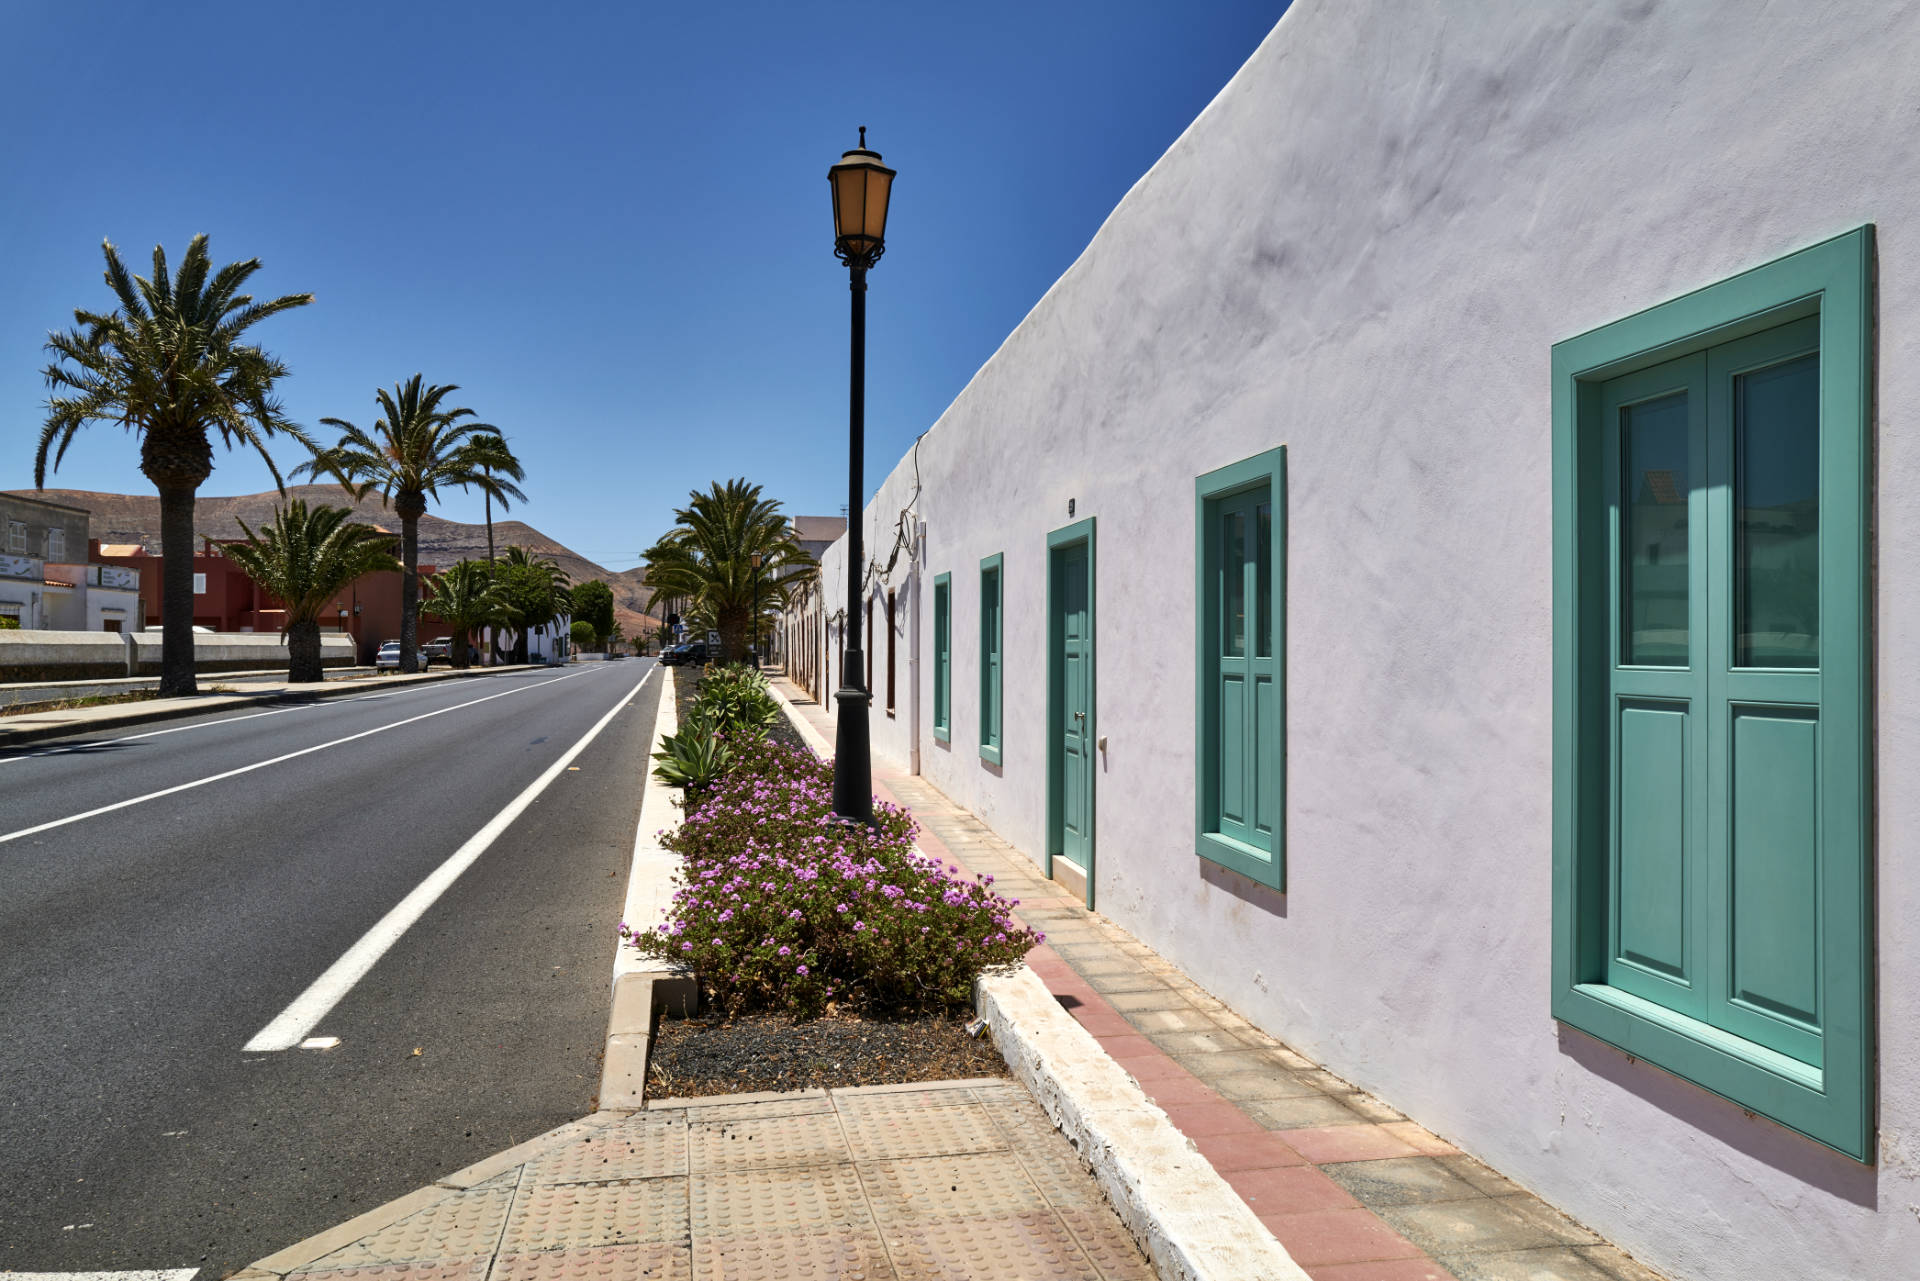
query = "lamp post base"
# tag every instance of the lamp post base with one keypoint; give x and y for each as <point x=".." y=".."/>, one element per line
<point x="852" y="764"/>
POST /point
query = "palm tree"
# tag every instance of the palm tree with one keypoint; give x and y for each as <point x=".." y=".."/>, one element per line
<point x="414" y="449"/>
<point x="168" y="363"/>
<point x="491" y="453"/>
<point x="705" y="560"/>
<point x="466" y="598"/>
<point x="304" y="558"/>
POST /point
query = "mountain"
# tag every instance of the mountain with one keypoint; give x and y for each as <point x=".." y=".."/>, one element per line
<point x="135" y="518"/>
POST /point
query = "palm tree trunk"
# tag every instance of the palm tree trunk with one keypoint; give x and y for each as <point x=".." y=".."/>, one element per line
<point x="303" y="653"/>
<point x="409" y="593"/>
<point x="176" y="593"/>
<point x="458" y="654"/>
<point x="489" y="528"/>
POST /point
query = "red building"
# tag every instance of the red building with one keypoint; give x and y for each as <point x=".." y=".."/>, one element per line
<point x="226" y="600"/>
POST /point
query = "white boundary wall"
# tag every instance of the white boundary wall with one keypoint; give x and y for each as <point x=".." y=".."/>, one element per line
<point x="1364" y="249"/>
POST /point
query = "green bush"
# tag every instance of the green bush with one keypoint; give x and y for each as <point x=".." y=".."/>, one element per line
<point x="737" y="697"/>
<point x="782" y="907"/>
<point x="582" y="633"/>
<point x="694" y="758"/>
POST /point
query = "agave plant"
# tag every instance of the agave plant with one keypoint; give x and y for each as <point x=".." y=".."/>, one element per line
<point x="695" y="758"/>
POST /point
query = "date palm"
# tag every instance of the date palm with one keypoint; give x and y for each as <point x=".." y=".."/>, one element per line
<point x="491" y="453"/>
<point x="465" y="597"/>
<point x="304" y="558"/>
<point x="169" y="363"/>
<point x="706" y="560"/>
<point x="416" y="448"/>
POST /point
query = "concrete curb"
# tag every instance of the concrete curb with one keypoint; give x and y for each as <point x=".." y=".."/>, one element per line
<point x="808" y="734"/>
<point x="1191" y="1224"/>
<point x="644" y="986"/>
<point x="168" y="709"/>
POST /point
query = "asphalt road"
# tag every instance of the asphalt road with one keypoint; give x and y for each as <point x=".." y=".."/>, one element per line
<point x="142" y="947"/>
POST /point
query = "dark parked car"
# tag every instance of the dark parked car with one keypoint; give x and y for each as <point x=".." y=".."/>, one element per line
<point x="694" y="652"/>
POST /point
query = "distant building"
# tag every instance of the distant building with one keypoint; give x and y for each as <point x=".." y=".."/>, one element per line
<point x="817" y="533"/>
<point x="44" y="583"/>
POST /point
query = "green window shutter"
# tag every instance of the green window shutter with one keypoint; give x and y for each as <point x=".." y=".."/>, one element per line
<point x="992" y="637"/>
<point x="943" y="657"/>
<point x="1711" y="752"/>
<point x="1240" y="667"/>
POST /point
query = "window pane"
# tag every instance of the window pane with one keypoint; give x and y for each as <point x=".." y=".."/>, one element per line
<point x="1233" y="584"/>
<point x="1653" y="490"/>
<point x="1263" y="581"/>
<point x="1776" y="515"/>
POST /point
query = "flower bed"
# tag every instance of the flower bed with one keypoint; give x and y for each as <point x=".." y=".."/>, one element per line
<point x="782" y="908"/>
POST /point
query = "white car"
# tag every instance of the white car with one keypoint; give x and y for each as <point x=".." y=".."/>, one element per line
<point x="388" y="659"/>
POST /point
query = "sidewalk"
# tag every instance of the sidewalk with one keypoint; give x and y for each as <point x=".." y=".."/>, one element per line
<point x="950" y="1179"/>
<point x="31" y="727"/>
<point x="1352" y="1189"/>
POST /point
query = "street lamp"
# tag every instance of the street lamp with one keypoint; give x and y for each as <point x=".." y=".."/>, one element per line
<point x="861" y="188"/>
<point x="755" y="558"/>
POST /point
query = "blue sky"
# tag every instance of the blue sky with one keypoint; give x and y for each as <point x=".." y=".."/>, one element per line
<point x="609" y="225"/>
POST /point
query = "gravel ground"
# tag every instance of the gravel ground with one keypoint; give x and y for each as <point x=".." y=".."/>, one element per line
<point x="715" y="1055"/>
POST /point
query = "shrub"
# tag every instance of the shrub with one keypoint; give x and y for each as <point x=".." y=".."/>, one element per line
<point x="781" y="907"/>
<point x="738" y="698"/>
<point x="693" y="759"/>
<point x="582" y="633"/>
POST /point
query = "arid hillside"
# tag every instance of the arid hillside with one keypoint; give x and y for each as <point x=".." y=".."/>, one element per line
<point x="135" y="518"/>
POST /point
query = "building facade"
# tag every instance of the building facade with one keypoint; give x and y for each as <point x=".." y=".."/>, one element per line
<point x="1441" y="568"/>
<point x="48" y="580"/>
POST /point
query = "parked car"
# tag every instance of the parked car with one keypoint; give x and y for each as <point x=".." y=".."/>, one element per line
<point x="680" y="655"/>
<point x="440" y="647"/>
<point x="388" y="659"/>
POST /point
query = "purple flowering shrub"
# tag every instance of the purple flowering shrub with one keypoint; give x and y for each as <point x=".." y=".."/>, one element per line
<point x="781" y="908"/>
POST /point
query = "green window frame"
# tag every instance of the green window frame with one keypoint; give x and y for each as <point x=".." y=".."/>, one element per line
<point x="1240" y="667"/>
<point x="1688" y="1014"/>
<point x="993" y="608"/>
<point x="943" y="657"/>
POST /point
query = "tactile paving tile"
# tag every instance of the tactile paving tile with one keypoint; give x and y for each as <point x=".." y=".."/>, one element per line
<point x="659" y="1261"/>
<point x="801" y="1105"/>
<point x="902" y="1100"/>
<point x="460" y="1270"/>
<point x="982" y="1185"/>
<point x="642" y="1147"/>
<point x="774" y="1256"/>
<point x="760" y="1142"/>
<point x="876" y="1136"/>
<point x="460" y="1226"/>
<point x="792" y="1199"/>
<point x="1108" y="1243"/>
<point x="573" y="1215"/>
<point x="1056" y="1169"/>
<point x="1023" y="1247"/>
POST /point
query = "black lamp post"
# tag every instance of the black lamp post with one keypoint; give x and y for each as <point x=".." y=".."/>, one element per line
<point x="861" y="186"/>
<point x="755" y="559"/>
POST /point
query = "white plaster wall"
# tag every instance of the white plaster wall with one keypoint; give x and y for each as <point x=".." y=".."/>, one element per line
<point x="1363" y="250"/>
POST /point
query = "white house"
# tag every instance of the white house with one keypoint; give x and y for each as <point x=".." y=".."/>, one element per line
<point x="1443" y="566"/>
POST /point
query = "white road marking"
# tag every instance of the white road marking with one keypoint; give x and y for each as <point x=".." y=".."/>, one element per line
<point x="248" y="769"/>
<point x="156" y="1274"/>
<point x="320" y="1043"/>
<point x="314" y="1004"/>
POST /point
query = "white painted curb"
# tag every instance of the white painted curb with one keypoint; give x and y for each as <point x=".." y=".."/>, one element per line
<point x="808" y="734"/>
<point x="1191" y="1224"/>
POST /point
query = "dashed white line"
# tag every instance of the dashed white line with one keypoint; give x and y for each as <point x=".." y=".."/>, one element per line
<point x="277" y="760"/>
<point x="312" y="1005"/>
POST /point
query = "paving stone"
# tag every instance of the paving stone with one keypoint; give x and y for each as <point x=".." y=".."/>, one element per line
<point x="644" y="1146"/>
<point x="1293" y="1114"/>
<point x="1481" y="1176"/>
<point x="576" y="1215"/>
<point x="464" y="1225"/>
<point x="1324" y="1144"/>
<point x="918" y="1189"/>
<point x="1170" y="1021"/>
<point x="1489" y="1224"/>
<point x="1338" y="1236"/>
<point x="659" y="1261"/>
<point x="1274" y="1083"/>
<point x="762" y="1141"/>
<point x="1136" y="980"/>
<point x="1617" y="1264"/>
<point x="1263" y="1150"/>
<point x="1182" y="1043"/>
<point x="884" y="1134"/>
<point x="1293" y="1189"/>
<point x="846" y="1255"/>
<point x="1554" y="1263"/>
<point x="800" y="1200"/>
<point x="1415" y="1269"/>
<point x="1373" y="1109"/>
<point x="1420" y="1139"/>
<point x="1162" y="998"/>
<point x="1223" y="1062"/>
<point x="1200" y="1120"/>
<point x="1410" y="1180"/>
<point x="1012" y="1248"/>
<point x="1060" y="1176"/>
<point x="1327" y="1082"/>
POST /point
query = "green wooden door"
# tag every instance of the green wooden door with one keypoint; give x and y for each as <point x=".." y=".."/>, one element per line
<point x="1073" y="730"/>
<point x="1245" y="692"/>
<point x="1715" y="842"/>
